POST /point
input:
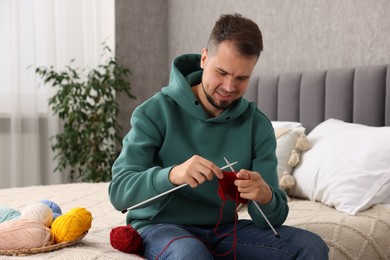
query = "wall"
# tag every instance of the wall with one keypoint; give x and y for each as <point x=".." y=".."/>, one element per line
<point x="298" y="35"/>
<point x="141" y="45"/>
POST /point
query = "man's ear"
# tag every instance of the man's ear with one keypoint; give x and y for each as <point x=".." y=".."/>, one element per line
<point x="203" y="59"/>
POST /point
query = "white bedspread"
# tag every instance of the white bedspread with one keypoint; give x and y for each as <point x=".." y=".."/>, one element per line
<point x="365" y="236"/>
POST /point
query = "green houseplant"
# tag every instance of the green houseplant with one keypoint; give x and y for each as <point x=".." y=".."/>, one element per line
<point x="86" y="106"/>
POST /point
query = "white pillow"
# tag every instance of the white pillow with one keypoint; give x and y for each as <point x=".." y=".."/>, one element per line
<point x="348" y="166"/>
<point x="285" y="124"/>
<point x="386" y="203"/>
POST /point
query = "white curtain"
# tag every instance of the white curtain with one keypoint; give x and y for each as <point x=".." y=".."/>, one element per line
<point x="41" y="33"/>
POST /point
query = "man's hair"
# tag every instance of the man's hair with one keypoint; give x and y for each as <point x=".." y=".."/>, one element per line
<point x="243" y="32"/>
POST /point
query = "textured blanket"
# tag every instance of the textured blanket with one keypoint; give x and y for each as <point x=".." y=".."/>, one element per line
<point x="365" y="236"/>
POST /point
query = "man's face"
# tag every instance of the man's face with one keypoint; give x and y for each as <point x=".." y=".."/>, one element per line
<point x="225" y="78"/>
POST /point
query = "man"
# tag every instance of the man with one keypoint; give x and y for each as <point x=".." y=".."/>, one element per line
<point x="181" y="136"/>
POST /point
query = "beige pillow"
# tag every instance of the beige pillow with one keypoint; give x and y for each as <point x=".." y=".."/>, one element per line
<point x="291" y="142"/>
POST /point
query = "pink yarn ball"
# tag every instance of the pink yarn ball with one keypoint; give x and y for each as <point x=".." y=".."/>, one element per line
<point x="24" y="234"/>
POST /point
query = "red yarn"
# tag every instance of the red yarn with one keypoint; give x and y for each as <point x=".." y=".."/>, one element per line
<point x="126" y="239"/>
<point x="227" y="189"/>
<point x="170" y="242"/>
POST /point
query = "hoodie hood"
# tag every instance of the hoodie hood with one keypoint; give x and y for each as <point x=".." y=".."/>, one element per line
<point x="185" y="73"/>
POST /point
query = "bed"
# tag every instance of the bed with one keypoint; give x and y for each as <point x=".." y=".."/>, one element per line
<point x="301" y="102"/>
<point x="337" y="194"/>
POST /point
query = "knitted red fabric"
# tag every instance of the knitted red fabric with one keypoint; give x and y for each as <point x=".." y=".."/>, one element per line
<point x="227" y="189"/>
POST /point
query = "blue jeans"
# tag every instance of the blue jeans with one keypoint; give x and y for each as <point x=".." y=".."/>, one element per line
<point x="169" y="241"/>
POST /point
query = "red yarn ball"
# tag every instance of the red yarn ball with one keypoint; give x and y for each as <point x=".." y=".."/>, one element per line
<point x="126" y="239"/>
<point x="227" y="189"/>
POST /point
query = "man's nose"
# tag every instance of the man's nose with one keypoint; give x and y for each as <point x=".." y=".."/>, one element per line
<point x="229" y="84"/>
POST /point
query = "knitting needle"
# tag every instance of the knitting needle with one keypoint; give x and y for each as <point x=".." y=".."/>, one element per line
<point x="254" y="202"/>
<point x="166" y="192"/>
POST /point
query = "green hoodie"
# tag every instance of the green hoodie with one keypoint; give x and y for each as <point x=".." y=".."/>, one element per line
<point x="170" y="128"/>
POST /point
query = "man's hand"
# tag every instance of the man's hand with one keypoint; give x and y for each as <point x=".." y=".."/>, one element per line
<point x="252" y="187"/>
<point x="194" y="171"/>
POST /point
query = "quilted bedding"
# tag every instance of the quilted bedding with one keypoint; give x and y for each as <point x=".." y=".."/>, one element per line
<point x="365" y="236"/>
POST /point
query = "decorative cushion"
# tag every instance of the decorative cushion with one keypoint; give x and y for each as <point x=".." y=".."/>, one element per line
<point x="291" y="142"/>
<point x="348" y="166"/>
<point x="286" y="124"/>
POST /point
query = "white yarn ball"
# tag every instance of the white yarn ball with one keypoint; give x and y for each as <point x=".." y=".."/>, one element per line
<point x="39" y="212"/>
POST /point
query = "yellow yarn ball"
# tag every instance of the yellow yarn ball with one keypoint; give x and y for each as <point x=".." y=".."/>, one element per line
<point x="71" y="225"/>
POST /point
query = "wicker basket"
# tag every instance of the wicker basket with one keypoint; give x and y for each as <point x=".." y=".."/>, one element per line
<point x="44" y="249"/>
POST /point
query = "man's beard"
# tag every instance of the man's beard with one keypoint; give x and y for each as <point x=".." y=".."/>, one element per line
<point x="222" y="105"/>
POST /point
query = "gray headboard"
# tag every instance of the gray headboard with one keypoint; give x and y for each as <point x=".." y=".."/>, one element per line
<point x="358" y="95"/>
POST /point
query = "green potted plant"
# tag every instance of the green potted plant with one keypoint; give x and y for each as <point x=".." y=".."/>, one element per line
<point x="86" y="106"/>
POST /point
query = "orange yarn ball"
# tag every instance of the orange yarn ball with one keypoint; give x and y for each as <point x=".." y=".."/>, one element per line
<point x="71" y="225"/>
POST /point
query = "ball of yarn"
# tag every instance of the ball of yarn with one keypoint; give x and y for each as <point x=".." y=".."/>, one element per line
<point x="55" y="208"/>
<point x="39" y="212"/>
<point x="7" y="214"/>
<point x="24" y="234"/>
<point x="126" y="239"/>
<point x="56" y="215"/>
<point x="71" y="225"/>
